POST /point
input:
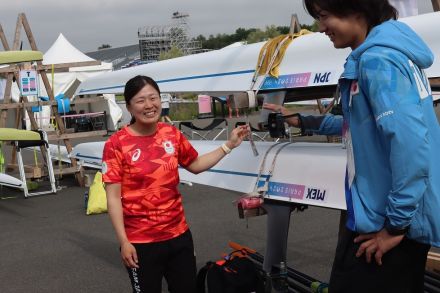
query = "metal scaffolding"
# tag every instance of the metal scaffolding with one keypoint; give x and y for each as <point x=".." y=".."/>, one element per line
<point x="153" y="40"/>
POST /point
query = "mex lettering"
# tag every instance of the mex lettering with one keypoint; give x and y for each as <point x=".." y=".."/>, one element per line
<point x="316" y="194"/>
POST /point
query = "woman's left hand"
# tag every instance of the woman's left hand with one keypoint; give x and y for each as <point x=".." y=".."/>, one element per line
<point x="237" y="136"/>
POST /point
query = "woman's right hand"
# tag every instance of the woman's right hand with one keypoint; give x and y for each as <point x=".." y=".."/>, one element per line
<point x="129" y="255"/>
<point x="237" y="136"/>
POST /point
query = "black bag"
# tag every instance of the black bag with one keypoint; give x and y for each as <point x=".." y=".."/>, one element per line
<point x="235" y="275"/>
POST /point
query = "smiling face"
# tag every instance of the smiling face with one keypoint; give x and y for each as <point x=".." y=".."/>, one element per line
<point x="145" y="107"/>
<point x="343" y="31"/>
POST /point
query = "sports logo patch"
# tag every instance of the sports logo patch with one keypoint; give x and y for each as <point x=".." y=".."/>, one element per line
<point x="168" y="146"/>
<point x="136" y="155"/>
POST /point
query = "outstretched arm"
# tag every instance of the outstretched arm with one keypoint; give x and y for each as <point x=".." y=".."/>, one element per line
<point x="320" y="124"/>
<point x="206" y="161"/>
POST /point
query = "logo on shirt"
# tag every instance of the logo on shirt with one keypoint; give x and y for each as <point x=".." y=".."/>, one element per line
<point x="168" y="146"/>
<point x="104" y="168"/>
<point x="421" y="80"/>
<point x="136" y="155"/>
<point x="384" y="114"/>
<point x="354" y="90"/>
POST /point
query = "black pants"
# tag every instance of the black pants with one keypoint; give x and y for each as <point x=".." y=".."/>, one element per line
<point x="173" y="259"/>
<point x="402" y="269"/>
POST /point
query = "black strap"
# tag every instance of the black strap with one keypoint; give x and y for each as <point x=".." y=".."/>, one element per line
<point x="31" y="143"/>
<point x="201" y="277"/>
<point x="253" y="129"/>
<point x="216" y="122"/>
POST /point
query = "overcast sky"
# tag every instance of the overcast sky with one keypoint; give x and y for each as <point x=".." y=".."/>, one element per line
<point x="89" y="23"/>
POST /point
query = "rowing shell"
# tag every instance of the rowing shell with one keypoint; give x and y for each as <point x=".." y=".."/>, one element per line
<point x="308" y="173"/>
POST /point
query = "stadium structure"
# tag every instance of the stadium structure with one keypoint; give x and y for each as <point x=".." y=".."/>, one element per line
<point x="155" y="39"/>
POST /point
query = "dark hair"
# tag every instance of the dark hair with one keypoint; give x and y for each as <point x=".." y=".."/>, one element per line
<point x="374" y="11"/>
<point x="134" y="85"/>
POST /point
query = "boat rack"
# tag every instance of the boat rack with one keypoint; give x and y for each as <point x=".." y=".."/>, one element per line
<point x="32" y="60"/>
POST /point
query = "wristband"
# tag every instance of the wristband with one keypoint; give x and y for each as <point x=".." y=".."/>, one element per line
<point x="395" y="230"/>
<point x="226" y="149"/>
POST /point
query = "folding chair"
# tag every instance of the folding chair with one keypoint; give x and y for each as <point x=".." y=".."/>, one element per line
<point x="255" y="132"/>
<point x="203" y="133"/>
<point x="99" y="121"/>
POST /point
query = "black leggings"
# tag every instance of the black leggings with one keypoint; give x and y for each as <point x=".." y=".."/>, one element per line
<point x="173" y="259"/>
<point x="402" y="269"/>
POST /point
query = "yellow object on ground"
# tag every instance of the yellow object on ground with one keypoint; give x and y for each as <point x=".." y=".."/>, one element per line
<point x="97" y="202"/>
<point x="8" y="57"/>
<point x="32" y="185"/>
<point x="275" y="48"/>
<point x="13" y="134"/>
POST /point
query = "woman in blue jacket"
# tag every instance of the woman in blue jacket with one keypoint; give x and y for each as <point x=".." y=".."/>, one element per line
<point x="392" y="137"/>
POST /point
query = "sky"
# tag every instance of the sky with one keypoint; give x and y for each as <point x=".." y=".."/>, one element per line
<point x="87" y="24"/>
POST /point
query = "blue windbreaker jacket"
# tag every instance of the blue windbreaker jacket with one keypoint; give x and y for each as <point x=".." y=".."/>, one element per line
<point x="395" y="135"/>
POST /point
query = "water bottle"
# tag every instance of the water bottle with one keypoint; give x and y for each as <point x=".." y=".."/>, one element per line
<point x="86" y="199"/>
<point x="283" y="277"/>
<point x="279" y="278"/>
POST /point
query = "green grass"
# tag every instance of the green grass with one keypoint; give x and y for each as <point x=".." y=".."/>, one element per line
<point x="189" y="110"/>
<point x="183" y="111"/>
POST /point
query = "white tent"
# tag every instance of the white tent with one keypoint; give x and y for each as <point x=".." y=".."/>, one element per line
<point x="62" y="51"/>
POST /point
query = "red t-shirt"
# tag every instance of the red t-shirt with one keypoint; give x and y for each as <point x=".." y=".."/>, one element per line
<point x="147" y="169"/>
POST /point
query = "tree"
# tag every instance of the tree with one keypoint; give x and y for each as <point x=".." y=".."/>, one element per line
<point x="314" y="27"/>
<point x="251" y="35"/>
<point x="284" y="30"/>
<point x="200" y="38"/>
<point x="259" y="35"/>
<point x="272" y="32"/>
<point x="256" y="36"/>
<point x="174" y="52"/>
<point x="242" y="34"/>
<point x="104" y="46"/>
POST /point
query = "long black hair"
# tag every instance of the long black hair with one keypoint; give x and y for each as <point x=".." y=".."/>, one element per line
<point x="374" y="11"/>
<point x="134" y="85"/>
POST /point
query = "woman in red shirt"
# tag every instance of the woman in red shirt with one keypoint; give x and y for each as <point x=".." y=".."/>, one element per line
<point x="140" y="171"/>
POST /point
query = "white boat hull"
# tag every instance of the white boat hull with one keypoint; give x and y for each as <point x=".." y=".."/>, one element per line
<point x="10" y="181"/>
<point x="307" y="173"/>
<point x="310" y="61"/>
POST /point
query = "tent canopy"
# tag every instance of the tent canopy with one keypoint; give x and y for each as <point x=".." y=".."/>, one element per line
<point x="62" y="51"/>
